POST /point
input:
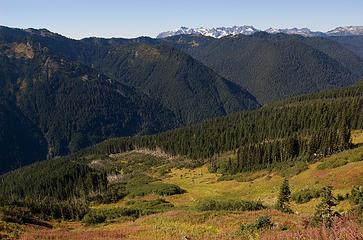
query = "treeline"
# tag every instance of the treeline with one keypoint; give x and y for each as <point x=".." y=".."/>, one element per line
<point x="27" y="210"/>
<point x="319" y="123"/>
<point x="62" y="179"/>
<point x="266" y="155"/>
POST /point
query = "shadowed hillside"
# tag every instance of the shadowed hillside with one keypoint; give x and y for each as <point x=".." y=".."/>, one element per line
<point x="274" y="67"/>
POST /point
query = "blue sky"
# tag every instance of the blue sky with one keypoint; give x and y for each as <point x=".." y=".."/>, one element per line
<point x="132" y="18"/>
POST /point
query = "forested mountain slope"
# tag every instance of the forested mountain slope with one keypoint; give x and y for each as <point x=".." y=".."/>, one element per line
<point x="333" y="48"/>
<point x="181" y="83"/>
<point x="68" y="94"/>
<point x="353" y="43"/>
<point x="58" y="88"/>
<point x="49" y="97"/>
<point x="21" y="141"/>
<point x="274" y="66"/>
<point x="295" y="130"/>
<point x="191" y="90"/>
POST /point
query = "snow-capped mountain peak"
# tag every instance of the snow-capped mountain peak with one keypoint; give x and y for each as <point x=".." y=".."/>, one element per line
<point x="248" y="30"/>
<point x="346" y="31"/>
<point x="213" y="32"/>
<point x="300" y="31"/>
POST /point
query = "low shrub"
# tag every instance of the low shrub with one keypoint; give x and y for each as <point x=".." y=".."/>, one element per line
<point x="161" y="189"/>
<point x="228" y="205"/>
<point x="138" y="179"/>
<point x="297" y="168"/>
<point x="111" y="195"/>
<point x="134" y="209"/>
<point x="94" y="217"/>
<point x="357" y="157"/>
<point x="225" y="178"/>
<point x="356" y="195"/>
<point x="261" y="223"/>
<point x="146" y="207"/>
<point x="16" y="215"/>
<point x="305" y="195"/>
<point x="341" y="228"/>
<point x="333" y="162"/>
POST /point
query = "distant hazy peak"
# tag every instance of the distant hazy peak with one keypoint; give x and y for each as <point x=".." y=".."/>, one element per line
<point x="248" y="30"/>
<point x="346" y="31"/>
<point x="213" y="32"/>
<point x="306" y="32"/>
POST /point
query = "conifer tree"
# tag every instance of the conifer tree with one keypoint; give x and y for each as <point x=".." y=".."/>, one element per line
<point x="284" y="197"/>
<point x="323" y="212"/>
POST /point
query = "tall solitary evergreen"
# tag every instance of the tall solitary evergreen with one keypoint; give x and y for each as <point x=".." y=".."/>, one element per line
<point x="284" y="197"/>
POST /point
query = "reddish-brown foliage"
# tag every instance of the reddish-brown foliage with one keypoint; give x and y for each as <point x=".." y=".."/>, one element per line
<point x="342" y="228"/>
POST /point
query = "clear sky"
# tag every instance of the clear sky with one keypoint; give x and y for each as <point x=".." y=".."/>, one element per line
<point x="133" y="18"/>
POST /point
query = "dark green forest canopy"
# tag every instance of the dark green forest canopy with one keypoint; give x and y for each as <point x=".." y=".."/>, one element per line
<point x="275" y="66"/>
<point x="299" y="117"/>
<point x="317" y="124"/>
<point x="56" y="90"/>
<point x="67" y="94"/>
<point x="61" y="106"/>
<point x="192" y="91"/>
<point x="353" y="43"/>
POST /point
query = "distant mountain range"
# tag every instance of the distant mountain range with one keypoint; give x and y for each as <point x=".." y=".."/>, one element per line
<point x="248" y="30"/>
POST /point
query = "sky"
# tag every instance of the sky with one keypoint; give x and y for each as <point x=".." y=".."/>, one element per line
<point x="133" y="18"/>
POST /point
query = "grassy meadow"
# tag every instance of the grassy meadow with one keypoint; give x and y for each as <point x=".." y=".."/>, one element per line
<point x="176" y="216"/>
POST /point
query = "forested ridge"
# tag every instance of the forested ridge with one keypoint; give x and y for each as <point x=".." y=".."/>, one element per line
<point x="317" y="123"/>
<point x="144" y="86"/>
<point x="353" y="43"/>
<point x="275" y="66"/>
<point x="71" y="94"/>
<point x="192" y="91"/>
<point x="62" y="106"/>
<point x="298" y="129"/>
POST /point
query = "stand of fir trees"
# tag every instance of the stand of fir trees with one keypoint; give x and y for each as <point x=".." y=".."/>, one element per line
<point x="298" y="129"/>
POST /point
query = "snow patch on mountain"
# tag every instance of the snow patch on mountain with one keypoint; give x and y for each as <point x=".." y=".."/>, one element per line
<point x="346" y="31"/>
<point x="248" y="30"/>
<point x="306" y="32"/>
<point x="213" y="32"/>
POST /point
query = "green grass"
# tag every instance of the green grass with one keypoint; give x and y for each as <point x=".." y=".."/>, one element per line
<point x="177" y="216"/>
<point x="342" y="158"/>
<point x="357" y="136"/>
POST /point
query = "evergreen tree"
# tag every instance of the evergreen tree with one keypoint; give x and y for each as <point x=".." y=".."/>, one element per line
<point x="323" y="212"/>
<point x="284" y="197"/>
<point x="356" y="196"/>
